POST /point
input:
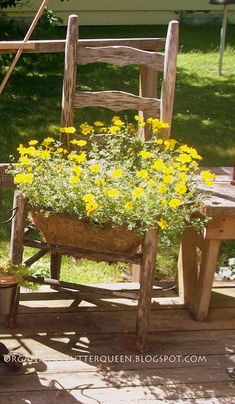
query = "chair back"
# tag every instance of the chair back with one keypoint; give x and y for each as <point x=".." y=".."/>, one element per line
<point x="144" y="52"/>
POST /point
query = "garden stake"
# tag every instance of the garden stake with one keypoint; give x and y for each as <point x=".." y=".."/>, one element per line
<point x="26" y="38"/>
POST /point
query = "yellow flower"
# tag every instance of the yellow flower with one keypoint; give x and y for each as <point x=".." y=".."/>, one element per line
<point x="138" y="192"/>
<point x="176" y="165"/>
<point x="33" y="142"/>
<point x="164" y="125"/>
<point x="167" y="179"/>
<point x="25" y="160"/>
<point x="190" y="150"/>
<point x="183" y="167"/>
<point x="128" y="206"/>
<point x="47" y="141"/>
<point x="39" y="168"/>
<point x="185" y="148"/>
<point x="78" y="142"/>
<point x="77" y="170"/>
<point x="44" y="154"/>
<point x="60" y="168"/>
<point x="194" y="154"/>
<point x="114" y="129"/>
<point x="142" y="174"/>
<point x="145" y="154"/>
<point x="138" y="118"/>
<point x="88" y="198"/>
<point x="170" y="144"/>
<point x="168" y="170"/>
<point x="162" y="224"/>
<point x="23" y="178"/>
<point x="95" y="168"/>
<point x="112" y="193"/>
<point x="163" y="201"/>
<point x="208" y="178"/>
<point x="152" y="183"/>
<point x="184" y="158"/>
<point x="158" y="165"/>
<point x="86" y="129"/>
<point x="79" y="158"/>
<point x="162" y="188"/>
<point x="74" y="179"/>
<point x="117" y="121"/>
<point x="31" y="151"/>
<point x="117" y="173"/>
<point x="183" y="177"/>
<point x="174" y="203"/>
<point x="157" y="124"/>
<point x="99" y="181"/>
<point x="98" y="123"/>
<point x="159" y="141"/>
<point x="69" y="129"/>
<point x="181" y="188"/>
<point x="91" y="206"/>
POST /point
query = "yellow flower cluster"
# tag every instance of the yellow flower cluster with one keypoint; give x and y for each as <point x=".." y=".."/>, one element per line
<point x="123" y="181"/>
<point x="91" y="204"/>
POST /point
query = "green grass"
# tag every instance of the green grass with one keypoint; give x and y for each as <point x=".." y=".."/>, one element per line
<point x="203" y="110"/>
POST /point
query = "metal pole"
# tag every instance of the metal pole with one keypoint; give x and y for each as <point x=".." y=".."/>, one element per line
<point x="222" y="39"/>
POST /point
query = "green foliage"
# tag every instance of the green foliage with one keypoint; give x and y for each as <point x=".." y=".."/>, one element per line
<point x="9" y="3"/>
<point x="20" y="271"/>
<point x="114" y="177"/>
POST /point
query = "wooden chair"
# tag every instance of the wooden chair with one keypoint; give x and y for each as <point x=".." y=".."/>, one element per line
<point x="120" y="52"/>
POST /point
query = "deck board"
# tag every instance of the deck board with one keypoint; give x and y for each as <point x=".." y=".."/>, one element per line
<point x="70" y="352"/>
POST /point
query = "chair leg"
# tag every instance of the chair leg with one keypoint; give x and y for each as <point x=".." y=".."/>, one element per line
<point x="56" y="260"/>
<point x="17" y="230"/>
<point x="146" y="286"/>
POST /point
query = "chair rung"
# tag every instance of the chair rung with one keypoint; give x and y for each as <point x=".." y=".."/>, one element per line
<point x="116" y="100"/>
<point x="120" y="56"/>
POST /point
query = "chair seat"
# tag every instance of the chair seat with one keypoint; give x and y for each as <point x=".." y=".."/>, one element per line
<point x="222" y="2"/>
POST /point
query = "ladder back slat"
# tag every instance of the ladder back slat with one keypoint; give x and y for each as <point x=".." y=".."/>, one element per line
<point x="120" y="56"/>
<point x="116" y="100"/>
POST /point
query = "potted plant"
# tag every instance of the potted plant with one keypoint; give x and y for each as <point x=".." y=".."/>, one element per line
<point x="11" y="278"/>
<point x="111" y="186"/>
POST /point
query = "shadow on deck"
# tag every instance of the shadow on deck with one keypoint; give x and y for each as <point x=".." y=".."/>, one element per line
<point x="84" y="351"/>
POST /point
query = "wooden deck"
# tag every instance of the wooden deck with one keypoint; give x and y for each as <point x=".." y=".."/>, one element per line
<point x="86" y="353"/>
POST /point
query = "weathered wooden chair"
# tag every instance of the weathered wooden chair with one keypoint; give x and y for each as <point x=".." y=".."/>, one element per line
<point x="120" y="52"/>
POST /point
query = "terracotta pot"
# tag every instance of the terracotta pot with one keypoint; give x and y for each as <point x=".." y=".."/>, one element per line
<point x="66" y="230"/>
<point x="8" y="289"/>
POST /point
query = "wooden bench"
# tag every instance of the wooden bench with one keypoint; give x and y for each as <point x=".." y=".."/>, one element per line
<point x="199" y="253"/>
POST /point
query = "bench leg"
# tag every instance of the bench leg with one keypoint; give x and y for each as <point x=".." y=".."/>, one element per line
<point x="197" y="265"/>
<point x="146" y="286"/>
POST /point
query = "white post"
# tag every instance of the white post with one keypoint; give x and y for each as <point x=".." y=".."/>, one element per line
<point x="222" y="39"/>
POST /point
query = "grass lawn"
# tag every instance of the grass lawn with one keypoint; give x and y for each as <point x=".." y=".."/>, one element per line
<point x="203" y="111"/>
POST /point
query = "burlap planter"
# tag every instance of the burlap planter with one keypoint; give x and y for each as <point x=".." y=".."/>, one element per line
<point x="66" y="230"/>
